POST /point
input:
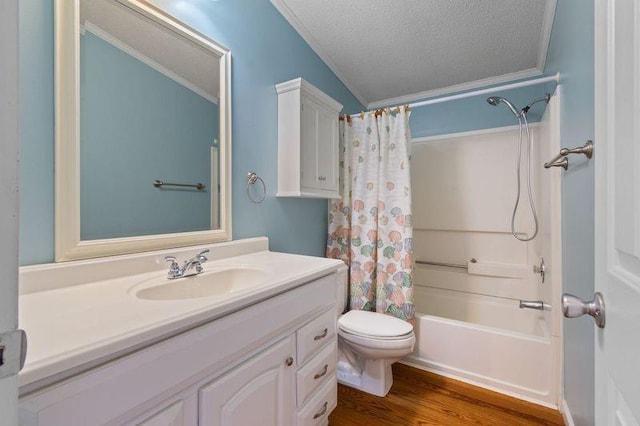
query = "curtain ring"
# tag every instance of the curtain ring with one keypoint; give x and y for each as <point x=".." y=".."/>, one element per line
<point x="252" y="177"/>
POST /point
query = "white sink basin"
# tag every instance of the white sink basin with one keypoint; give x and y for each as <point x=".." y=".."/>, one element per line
<point x="214" y="283"/>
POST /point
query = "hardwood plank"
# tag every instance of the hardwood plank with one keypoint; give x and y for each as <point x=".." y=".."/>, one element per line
<point x="422" y="398"/>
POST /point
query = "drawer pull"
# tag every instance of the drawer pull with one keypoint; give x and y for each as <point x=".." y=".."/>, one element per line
<point x="322" y="178"/>
<point x="322" y="411"/>
<point x="322" y="335"/>
<point x="324" y="371"/>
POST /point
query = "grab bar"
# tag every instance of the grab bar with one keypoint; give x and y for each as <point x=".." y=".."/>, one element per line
<point x="199" y="186"/>
<point x="560" y="160"/>
<point x="446" y="265"/>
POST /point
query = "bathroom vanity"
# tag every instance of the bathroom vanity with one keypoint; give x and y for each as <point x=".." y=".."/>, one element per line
<point x="236" y="347"/>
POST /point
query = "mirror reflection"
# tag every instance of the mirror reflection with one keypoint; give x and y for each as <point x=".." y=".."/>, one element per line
<point x="149" y="111"/>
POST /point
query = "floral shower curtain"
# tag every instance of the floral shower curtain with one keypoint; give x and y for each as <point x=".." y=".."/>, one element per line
<point x="370" y="227"/>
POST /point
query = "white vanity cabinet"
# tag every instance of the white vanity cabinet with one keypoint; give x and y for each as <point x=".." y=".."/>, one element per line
<point x="308" y="156"/>
<point x="271" y="363"/>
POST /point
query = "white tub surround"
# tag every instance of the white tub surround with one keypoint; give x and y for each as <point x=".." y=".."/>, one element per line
<point x="166" y="357"/>
<point x="512" y="348"/>
<point x="462" y="212"/>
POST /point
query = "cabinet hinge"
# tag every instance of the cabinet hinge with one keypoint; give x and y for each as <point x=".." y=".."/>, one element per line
<point x="13" y="352"/>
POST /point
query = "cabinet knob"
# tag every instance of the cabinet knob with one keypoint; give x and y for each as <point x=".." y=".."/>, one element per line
<point x="289" y="361"/>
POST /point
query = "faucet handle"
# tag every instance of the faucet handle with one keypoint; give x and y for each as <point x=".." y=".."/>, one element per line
<point x="174" y="269"/>
<point x="201" y="256"/>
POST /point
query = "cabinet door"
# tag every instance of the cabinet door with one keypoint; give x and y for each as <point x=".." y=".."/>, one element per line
<point x="327" y="151"/>
<point x="319" y="147"/>
<point x="309" y="115"/>
<point x="260" y="391"/>
<point x="172" y="415"/>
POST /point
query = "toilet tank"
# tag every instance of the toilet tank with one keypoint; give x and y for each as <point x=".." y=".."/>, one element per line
<point x="342" y="289"/>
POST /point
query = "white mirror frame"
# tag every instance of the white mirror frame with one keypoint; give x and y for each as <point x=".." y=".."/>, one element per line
<point x="68" y="245"/>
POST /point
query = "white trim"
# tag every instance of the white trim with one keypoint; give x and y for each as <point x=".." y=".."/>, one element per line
<point x="545" y="34"/>
<point x="485" y="91"/>
<point x="444" y="371"/>
<point x="10" y="135"/>
<point x="119" y="44"/>
<point x="427" y="139"/>
<point x="315" y="46"/>
<point x="68" y="245"/>
<point x="566" y="414"/>
<point x="215" y="187"/>
<point x="311" y="90"/>
<point x="505" y="78"/>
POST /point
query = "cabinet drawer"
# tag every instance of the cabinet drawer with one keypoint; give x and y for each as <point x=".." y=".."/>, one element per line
<point x="316" y="411"/>
<point x="313" y="336"/>
<point x="315" y="372"/>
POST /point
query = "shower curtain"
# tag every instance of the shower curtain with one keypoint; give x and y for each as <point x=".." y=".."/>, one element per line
<point x="370" y="227"/>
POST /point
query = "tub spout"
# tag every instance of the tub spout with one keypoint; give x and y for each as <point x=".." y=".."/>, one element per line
<point x="532" y="304"/>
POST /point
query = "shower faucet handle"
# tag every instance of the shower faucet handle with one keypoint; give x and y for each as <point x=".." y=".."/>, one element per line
<point x="542" y="269"/>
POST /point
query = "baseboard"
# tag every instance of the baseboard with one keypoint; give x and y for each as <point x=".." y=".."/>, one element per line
<point x="450" y="375"/>
<point x="566" y="414"/>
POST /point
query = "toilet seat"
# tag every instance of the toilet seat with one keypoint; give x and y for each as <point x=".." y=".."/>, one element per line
<point x="374" y="326"/>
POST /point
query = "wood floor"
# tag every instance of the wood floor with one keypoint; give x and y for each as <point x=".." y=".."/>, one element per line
<point x="421" y="398"/>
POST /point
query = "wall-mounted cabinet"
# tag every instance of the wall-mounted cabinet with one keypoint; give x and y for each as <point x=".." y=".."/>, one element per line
<point x="307" y="141"/>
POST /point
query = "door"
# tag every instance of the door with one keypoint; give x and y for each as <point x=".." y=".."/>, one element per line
<point x="327" y="150"/>
<point x="258" y="392"/>
<point x="309" y="114"/>
<point x="617" y="210"/>
<point x="9" y="199"/>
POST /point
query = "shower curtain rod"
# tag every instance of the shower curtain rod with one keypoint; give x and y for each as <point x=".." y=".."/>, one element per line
<point x="525" y="83"/>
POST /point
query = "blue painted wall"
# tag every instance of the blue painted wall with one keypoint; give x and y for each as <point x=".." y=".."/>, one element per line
<point x="137" y="126"/>
<point x="36" y="132"/>
<point x="266" y="50"/>
<point x="475" y="113"/>
<point x="571" y="54"/>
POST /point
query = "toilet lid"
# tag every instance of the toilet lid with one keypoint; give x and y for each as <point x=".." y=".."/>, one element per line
<point x="373" y="324"/>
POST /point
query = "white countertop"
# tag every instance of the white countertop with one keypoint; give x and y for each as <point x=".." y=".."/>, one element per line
<point x="70" y="329"/>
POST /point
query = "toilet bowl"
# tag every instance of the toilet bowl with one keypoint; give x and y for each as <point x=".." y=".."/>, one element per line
<point x="368" y="343"/>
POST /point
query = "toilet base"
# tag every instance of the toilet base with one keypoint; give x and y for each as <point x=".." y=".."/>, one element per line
<point x="376" y="377"/>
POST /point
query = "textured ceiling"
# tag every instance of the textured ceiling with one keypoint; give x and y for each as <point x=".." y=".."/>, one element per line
<point x="385" y="49"/>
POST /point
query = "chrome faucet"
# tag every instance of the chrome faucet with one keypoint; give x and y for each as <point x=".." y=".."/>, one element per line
<point x="190" y="267"/>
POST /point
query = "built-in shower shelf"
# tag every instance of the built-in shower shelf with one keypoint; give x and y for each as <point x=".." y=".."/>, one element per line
<point x="503" y="270"/>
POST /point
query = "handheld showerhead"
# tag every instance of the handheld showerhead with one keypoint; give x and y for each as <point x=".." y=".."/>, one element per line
<point x="496" y="100"/>
<point x="493" y="100"/>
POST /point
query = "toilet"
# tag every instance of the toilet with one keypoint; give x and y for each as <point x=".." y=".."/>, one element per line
<point x="368" y="343"/>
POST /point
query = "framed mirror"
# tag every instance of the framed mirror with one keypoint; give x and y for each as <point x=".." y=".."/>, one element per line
<point x="143" y="131"/>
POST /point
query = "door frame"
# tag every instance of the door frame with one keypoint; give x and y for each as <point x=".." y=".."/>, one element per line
<point x="9" y="134"/>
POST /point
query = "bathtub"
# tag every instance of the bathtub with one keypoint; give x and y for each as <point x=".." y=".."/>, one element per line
<point x="486" y="341"/>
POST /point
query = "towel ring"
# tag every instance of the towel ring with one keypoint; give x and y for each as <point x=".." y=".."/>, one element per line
<point x="252" y="177"/>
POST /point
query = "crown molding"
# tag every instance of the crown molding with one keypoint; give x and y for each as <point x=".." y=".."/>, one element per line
<point x="485" y="82"/>
<point x="545" y="33"/>
<point x="119" y="44"/>
<point x="293" y="20"/>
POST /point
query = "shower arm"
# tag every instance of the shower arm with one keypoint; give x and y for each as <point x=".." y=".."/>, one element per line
<point x="560" y="160"/>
